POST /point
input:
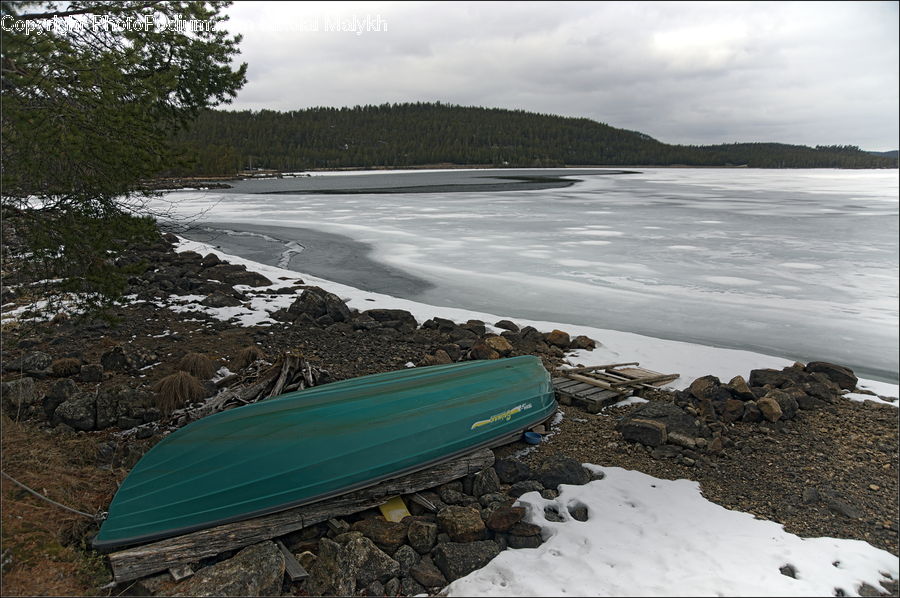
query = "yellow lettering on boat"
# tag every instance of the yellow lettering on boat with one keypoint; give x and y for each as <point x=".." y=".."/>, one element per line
<point x="502" y="416"/>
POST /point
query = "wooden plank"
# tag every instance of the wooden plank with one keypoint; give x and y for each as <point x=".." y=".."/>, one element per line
<point x="591" y="381"/>
<point x="577" y="387"/>
<point x="139" y="561"/>
<point x="292" y="568"/>
<point x="591" y="368"/>
<point x="568" y="382"/>
<point x="647" y="380"/>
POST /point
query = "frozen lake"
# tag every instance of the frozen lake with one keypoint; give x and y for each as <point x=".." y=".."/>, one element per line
<point x="801" y="264"/>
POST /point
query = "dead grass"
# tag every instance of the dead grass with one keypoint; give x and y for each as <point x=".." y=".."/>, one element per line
<point x="176" y="390"/>
<point x="66" y="366"/>
<point x="46" y="545"/>
<point x="245" y="357"/>
<point x="198" y="364"/>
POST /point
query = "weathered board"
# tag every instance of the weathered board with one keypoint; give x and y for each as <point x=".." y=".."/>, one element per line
<point x="139" y="561"/>
<point x="595" y="387"/>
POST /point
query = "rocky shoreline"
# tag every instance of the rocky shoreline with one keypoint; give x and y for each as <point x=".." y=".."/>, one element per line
<point x="784" y="445"/>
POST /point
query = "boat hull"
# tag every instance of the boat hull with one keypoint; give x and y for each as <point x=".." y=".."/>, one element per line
<point x="306" y="446"/>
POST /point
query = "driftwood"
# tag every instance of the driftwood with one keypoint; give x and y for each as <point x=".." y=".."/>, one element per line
<point x="137" y="562"/>
<point x="289" y="373"/>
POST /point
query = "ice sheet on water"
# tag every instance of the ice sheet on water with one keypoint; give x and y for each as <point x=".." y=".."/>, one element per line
<point x="702" y="233"/>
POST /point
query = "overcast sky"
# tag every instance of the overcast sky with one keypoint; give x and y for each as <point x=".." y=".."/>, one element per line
<point x="693" y="73"/>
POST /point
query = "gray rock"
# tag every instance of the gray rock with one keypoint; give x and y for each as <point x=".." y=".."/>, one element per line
<point x="524" y="535"/>
<point x="407" y="557"/>
<point x="427" y="574"/>
<point x="583" y="342"/>
<point x="558" y="470"/>
<point x="60" y="391"/>
<point x="770" y="408"/>
<point x="840" y="375"/>
<point x="392" y="587"/>
<point x="730" y="410"/>
<point x="485" y="482"/>
<point x="376" y="588"/>
<point x="410" y="587"/>
<point x="674" y="417"/>
<point x="456" y="560"/>
<point x="19" y="398"/>
<point x="387" y="535"/>
<point x="578" y="511"/>
<point x="330" y="575"/>
<point x="645" y="431"/>
<point x="36" y="363"/>
<point x="739" y="389"/>
<point x="520" y="488"/>
<point x="254" y="571"/>
<point x="422" y="536"/>
<point x="500" y="520"/>
<point x="78" y="412"/>
<point x="462" y="524"/>
<point x="366" y="563"/>
<point x="393" y="318"/>
<point x="768" y="377"/>
<point x="507" y="325"/>
<point x="704" y="387"/>
<point x="125" y="407"/>
<point x="486" y="500"/>
<point x="510" y="471"/>
<point x="220" y="299"/>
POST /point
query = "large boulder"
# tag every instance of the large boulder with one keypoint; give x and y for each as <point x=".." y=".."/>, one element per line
<point x="79" y="412"/>
<point x="393" y="318"/>
<point x="840" y="375"/>
<point x="233" y="274"/>
<point x="36" y="363"/>
<point x="316" y="302"/>
<point x="254" y="571"/>
<point x="60" y="391"/>
<point x="674" y="417"/>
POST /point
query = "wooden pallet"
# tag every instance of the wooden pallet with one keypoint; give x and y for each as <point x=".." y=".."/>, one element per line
<point x="595" y="387"/>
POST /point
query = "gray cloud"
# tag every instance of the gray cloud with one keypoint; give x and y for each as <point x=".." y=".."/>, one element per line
<point x="808" y="73"/>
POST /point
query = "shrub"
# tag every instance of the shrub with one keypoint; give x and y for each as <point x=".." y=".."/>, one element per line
<point x="198" y="364"/>
<point x="176" y="390"/>
<point x="245" y="357"/>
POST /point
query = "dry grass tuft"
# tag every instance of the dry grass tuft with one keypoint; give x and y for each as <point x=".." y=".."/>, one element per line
<point x="176" y="390"/>
<point x="198" y="364"/>
<point x="245" y="357"/>
<point x="45" y="543"/>
<point x="66" y="366"/>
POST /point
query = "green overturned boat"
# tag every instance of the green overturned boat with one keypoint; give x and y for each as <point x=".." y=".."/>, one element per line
<point x="309" y="445"/>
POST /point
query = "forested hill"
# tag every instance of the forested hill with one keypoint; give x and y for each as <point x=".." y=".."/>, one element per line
<point x="402" y="135"/>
